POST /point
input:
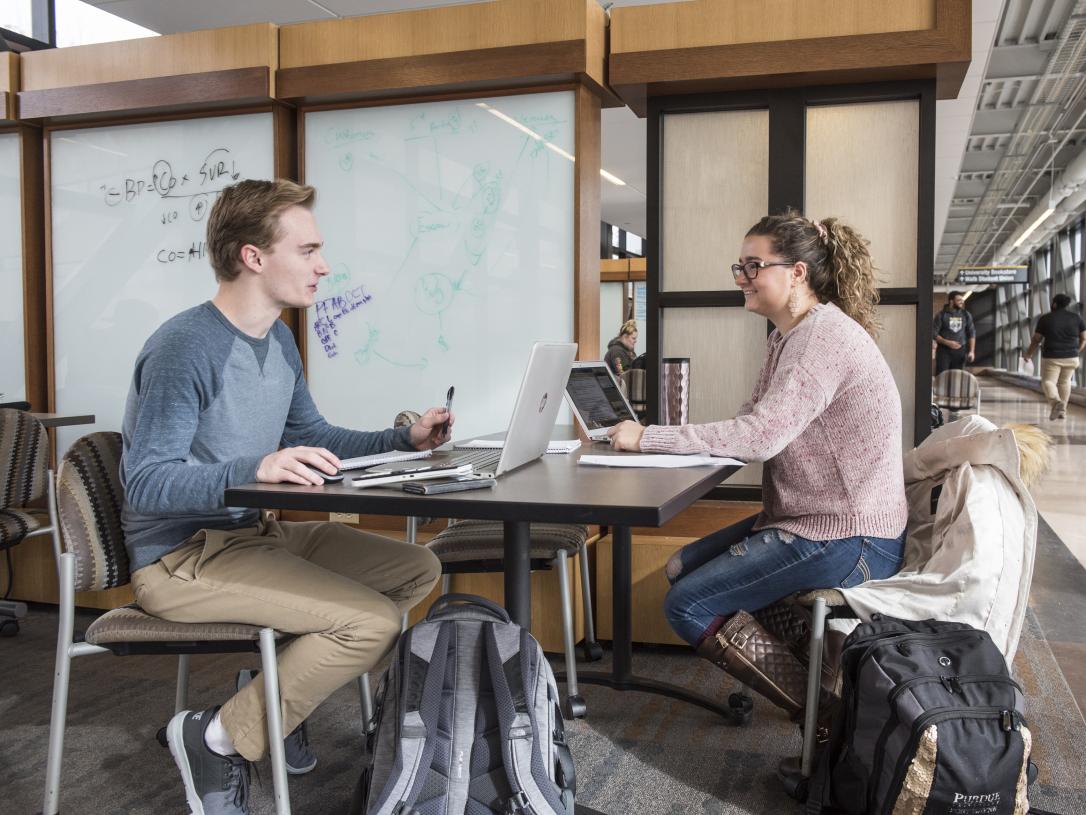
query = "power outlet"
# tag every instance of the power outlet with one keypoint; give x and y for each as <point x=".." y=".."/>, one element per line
<point x="343" y="517"/>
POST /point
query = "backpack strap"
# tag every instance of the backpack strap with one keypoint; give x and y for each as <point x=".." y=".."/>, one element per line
<point x="422" y="679"/>
<point x="511" y="670"/>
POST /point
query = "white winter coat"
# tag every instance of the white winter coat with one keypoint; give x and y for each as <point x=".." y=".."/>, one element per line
<point x="972" y="561"/>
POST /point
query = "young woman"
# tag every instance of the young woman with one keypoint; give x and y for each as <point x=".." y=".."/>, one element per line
<point x="825" y="417"/>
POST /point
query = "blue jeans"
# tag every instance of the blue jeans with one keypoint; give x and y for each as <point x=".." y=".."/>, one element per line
<point x="737" y="569"/>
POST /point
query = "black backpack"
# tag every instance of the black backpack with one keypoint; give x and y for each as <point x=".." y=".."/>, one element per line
<point x="930" y="722"/>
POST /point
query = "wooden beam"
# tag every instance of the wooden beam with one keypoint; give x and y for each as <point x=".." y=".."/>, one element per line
<point x="31" y="194"/>
<point x="171" y="55"/>
<point x="816" y="44"/>
<point x="586" y="225"/>
<point x="203" y="91"/>
<point x="9" y="85"/>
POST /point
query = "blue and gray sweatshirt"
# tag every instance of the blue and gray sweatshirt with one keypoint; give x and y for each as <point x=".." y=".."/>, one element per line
<point x="207" y="403"/>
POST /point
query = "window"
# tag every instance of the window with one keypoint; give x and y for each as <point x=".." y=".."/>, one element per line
<point x="80" y="23"/>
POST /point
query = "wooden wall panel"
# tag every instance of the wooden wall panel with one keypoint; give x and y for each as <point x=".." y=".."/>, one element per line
<point x="9" y="84"/>
<point x="718" y="22"/>
<point x="473" y="27"/>
<point x="898" y="344"/>
<point x="35" y="307"/>
<point x="586" y="225"/>
<point x="861" y="166"/>
<point x="220" y="49"/>
<point x="715" y="183"/>
<point x="726" y="347"/>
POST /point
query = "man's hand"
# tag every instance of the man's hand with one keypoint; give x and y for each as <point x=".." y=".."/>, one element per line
<point x="427" y="434"/>
<point x="291" y="466"/>
<point x="626" y="436"/>
<point x="970" y="357"/>
<point x="952" y="344"/>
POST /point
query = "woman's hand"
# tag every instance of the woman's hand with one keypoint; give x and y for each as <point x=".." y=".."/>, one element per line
<point x="433" y="429"/>
<point x="626" y="436"/>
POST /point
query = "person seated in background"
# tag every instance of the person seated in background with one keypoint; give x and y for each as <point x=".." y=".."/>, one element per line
<point x="620" y="350"/>
<point x="1061" y="334"/>
<point x="218" y="399"/>
<point x="825" y="417"/>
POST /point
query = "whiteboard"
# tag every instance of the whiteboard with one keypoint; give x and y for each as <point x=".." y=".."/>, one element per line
<point x="12" y="337"/>
<point x="129" y="210"/>
<point x="448" y="227"/>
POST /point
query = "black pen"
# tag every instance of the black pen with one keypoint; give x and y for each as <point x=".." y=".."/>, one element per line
<point x="448" y="409"/>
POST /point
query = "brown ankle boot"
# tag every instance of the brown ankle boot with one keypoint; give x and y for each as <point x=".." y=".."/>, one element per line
<point x="744" y="649"/>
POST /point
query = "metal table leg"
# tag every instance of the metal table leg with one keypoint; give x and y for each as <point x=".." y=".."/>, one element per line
<point x="518" y="576"/>
<point x="622" y="677"/>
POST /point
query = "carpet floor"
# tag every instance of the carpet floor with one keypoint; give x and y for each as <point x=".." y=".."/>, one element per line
<point x="635" y="753"/>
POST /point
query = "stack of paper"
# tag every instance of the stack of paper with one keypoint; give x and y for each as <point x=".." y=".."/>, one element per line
<point x="655" y="460"/>
<point x="553" y="446"/>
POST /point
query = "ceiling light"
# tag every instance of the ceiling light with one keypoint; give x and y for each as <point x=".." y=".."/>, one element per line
<point x="1029" y="231"/>
<point x="614" y="179"/>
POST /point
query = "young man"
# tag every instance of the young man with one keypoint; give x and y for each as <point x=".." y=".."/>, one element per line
<point x="951" y="330"/>
<point x="1062" y="336"/>
<point x="218" y="399"/>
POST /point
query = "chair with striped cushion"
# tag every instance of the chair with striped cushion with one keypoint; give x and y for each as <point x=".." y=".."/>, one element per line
<point x="24" y="479"/>
<point x="479" y="546"/>
<point x="91" y="556"/>
<point x="956" y="390"/>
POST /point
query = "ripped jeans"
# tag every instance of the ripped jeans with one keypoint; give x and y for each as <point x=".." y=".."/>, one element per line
<point x="737" y="569"/>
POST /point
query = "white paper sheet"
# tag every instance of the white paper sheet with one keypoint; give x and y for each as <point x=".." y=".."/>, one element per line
<point x="553" y="446"/>
<point x="658" y="460"/>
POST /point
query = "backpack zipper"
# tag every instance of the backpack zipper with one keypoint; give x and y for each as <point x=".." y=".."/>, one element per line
<point x="947" y="682"/>
<point x="1009" y="721"/>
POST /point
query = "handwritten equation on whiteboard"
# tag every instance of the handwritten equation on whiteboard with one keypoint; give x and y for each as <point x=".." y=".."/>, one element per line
<point x="185" y="194"/>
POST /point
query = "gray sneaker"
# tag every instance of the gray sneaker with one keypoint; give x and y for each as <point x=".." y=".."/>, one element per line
<point x="214" y="784"/>
<point x="299" y="755"/>
<point x="1055" y="412"/>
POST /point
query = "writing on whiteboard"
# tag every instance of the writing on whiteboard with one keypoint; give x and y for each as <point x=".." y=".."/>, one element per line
<point x="331" y="309"/>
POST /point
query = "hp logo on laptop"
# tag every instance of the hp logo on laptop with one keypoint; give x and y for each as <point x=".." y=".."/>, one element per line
<point x="542" y="403"/>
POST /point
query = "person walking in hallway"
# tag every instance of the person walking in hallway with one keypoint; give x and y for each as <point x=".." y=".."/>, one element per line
<point x="954" y="335"/>
<point x="218" y="398"/>
<point x="1061" y="334"/>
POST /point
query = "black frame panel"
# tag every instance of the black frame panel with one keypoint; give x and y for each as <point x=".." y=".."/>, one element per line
<point x="787" y="155"/>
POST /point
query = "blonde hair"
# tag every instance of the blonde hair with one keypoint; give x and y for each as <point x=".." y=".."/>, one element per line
<point x="248" y="212"/>
<point x="839" y="265"/>
<point x="628" y="327"/>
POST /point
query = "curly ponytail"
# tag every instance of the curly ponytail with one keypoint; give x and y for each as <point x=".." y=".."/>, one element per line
<point x="839" y="265"/>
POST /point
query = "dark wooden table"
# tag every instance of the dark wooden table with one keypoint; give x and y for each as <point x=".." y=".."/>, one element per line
<point x="63" y="419"/>
<point x="552" y="489"/>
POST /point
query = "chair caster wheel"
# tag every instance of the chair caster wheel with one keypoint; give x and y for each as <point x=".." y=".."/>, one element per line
<point x="593" y="651"/>
<point x="742" y="707"/>
<point x="575" y="707"/>
<point x="160" y="737"/>
<point x="793" y="781"/>
<point x="9" y="628"/>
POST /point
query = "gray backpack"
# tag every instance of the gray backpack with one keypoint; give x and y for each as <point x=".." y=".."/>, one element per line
<point x="468" y="721"/>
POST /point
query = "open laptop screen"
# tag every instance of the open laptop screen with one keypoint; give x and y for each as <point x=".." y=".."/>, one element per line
<point x="595" y="397"/>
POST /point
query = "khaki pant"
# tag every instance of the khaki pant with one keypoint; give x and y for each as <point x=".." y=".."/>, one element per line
<point x="342" y="591"/>
<point x="1056" y="376"/>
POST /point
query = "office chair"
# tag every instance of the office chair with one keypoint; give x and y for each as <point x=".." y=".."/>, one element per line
<point x="91" y="556"/>
<point x="956" y="390"/>
<point x="24" y="462"/>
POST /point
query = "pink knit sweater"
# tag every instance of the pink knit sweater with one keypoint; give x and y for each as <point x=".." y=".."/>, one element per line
<point x="825" y="418"/>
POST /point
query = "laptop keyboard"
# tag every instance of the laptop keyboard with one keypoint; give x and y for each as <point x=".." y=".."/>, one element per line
<point x="481" y="461"/>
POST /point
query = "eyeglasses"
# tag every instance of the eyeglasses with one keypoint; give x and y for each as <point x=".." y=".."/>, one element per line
<point x="751" y="268"/>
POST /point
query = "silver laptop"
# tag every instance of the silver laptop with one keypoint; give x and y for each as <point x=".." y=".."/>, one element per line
<point x="596" y="399"/>
<point x="534" y="414"/>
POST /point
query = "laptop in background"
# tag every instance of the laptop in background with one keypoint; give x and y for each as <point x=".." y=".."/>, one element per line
<point x="534" y="414"/>
<point x="596" y="399"/>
